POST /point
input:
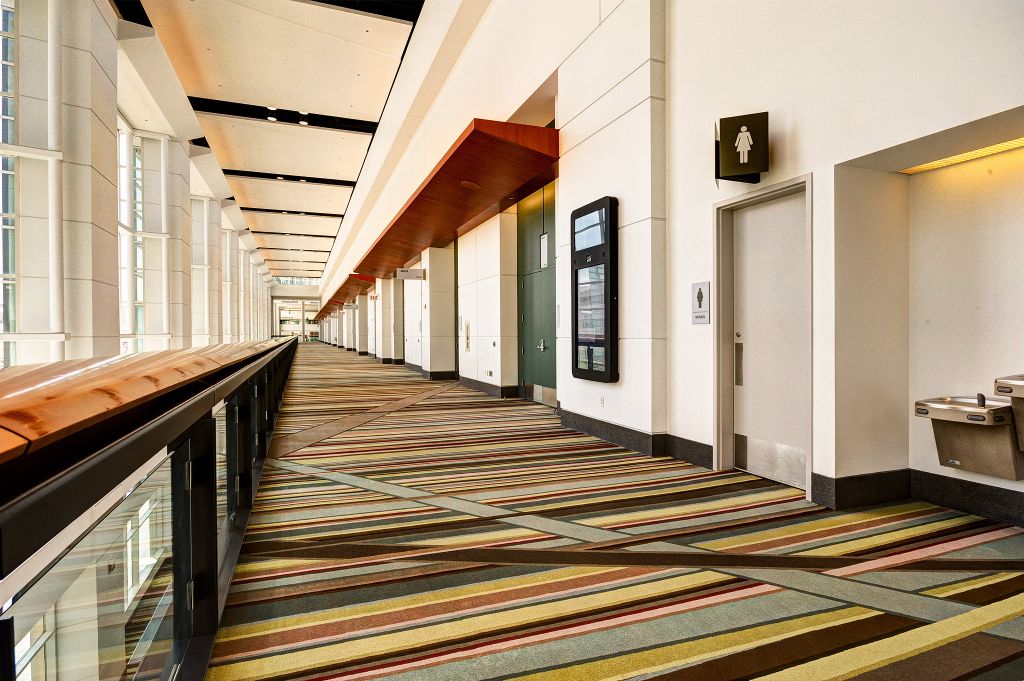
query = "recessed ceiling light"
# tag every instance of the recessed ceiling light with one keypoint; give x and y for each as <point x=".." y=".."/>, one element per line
<point x="967" y="156"/>
<point x="272" y="108"/>
<point x="301" y="180"/>
<point x="304" y="113"/>
<point x="303" y="122"/>
<point x="279" y="177"/>
<point x="271" y="118"/>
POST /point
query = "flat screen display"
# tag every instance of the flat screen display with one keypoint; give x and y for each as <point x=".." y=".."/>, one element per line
<point x="590" y="230"/>
<point x="590" y="317"/>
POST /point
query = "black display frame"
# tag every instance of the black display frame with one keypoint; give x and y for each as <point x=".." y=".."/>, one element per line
<point x="607" y="254"/>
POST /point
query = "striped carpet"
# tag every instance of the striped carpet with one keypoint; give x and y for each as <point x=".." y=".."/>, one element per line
<point x="459" y="536"/>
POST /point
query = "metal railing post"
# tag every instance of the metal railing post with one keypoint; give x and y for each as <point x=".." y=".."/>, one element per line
<point x="243" y="399"/>
<point x="7" y="661"/>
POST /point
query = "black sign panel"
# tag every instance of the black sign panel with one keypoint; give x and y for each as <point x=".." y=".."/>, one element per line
<point x="595" y="283"/>
<point x="743" y="147"/>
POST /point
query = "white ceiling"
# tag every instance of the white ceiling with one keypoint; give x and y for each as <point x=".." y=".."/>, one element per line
<point x="292" y="196"/>
<point x="291" y="223"/>
<point x="275" y="254"/>
<point x="297" y="56"/>
<point x="292" y="55"/>
<point x="296" y="273"/>
<point x="265" y="147"/>
<point x="316" y="243"/>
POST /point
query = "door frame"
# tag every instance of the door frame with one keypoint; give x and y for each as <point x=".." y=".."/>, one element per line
<point x="722" y="312"/>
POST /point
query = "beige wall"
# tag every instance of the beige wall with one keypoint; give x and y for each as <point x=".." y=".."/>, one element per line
<point x="966" y="287"/>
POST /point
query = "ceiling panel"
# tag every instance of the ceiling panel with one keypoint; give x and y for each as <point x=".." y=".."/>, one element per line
<point x="266" y="147"/>
<point x="315" y="243"/>
<point x="322" y="70"/>
<point x="291" y="223"/>
<point x="307" y="57"/>
<point x="293" y="196"/>
<point x="297" y="273"/>
<point x="295" y="254"/>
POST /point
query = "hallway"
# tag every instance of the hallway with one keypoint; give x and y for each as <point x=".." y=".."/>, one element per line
<point x="422" y="530"/>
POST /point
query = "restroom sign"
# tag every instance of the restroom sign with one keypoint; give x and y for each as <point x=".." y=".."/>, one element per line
<point x="700" y="301"/>
<point x="742" y="148"/>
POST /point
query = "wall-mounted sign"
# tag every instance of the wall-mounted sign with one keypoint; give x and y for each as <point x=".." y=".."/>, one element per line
<point x="405" y="273"/>
<point x="741" y="152"/>
<point x="351" y="306"/>
<point x="700" y="302"/>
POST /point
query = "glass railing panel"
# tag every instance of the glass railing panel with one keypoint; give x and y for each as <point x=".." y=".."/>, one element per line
<point x="105" y="610"/>
<point x="225" y="477"/>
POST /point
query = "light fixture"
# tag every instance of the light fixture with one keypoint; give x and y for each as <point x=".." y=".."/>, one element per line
<point x="301" y="180"/>
<point x="279" y="177"/>
<point x="272" y="119"/>
<point x="303" y="122"/>
<point x="271" y="108"/>
<point x="966" y="156"/>
<point x="304" y="113"/>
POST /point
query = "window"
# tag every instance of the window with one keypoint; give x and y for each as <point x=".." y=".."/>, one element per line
<point x="297" y="281"/>
<point x="143" y="546"/>
<point x="32" y="651"/>
<point x="130" y="234"/>
<point x="8" y="184"/>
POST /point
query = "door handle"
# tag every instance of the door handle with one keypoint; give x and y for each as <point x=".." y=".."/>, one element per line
<point x="541" y="346"/>
<point x="739" y="364"/>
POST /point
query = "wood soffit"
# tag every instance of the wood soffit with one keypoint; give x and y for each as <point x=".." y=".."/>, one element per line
<point x="490" y="166"/>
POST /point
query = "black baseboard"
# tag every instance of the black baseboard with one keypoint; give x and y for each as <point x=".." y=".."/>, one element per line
<point x="1004" y="505"/>
<point x="351" y="349"/>
<point x="430" y="375"/>
<point x="398" y="361"/>
<point x="385" y="360"/>
<point x="860" y="490"/>
<point x="363" y="352"/>
<point x="637" y="440"/>
<point x="489" y="389"/>
<point x="690" y="451"/>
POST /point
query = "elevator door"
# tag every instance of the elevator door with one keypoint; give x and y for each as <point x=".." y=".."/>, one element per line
<point x="536" y="253"/>
<point x="772" y="344"/>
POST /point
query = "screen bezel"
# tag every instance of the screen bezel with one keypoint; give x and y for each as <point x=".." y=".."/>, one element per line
<point x="601" y="254"/>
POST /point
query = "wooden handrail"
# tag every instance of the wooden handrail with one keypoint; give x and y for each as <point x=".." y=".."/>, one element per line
<point x="43" y="403"/>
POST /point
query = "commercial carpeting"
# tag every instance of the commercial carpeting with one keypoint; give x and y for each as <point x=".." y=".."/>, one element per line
<point x="427" y="532"/>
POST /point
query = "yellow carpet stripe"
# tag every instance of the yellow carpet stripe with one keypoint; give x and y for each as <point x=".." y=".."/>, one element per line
<point x="693" y="652"/>
<point x="411" y="601"/>
<point x="437" y="634"/>
<point x="862" y="659"/>
<point x="831" y="523"/>
<point x="865" y="543"/>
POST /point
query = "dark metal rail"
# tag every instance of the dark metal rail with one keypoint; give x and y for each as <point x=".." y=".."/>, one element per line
<point x="201" y="564"/>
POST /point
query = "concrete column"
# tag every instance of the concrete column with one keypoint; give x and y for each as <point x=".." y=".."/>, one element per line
<point x="371" y="323"/>
<point x="360" y="324"/>
<point x="438" y="300"/>
<point x="229" y="290"/>
<point x="487" y="301"/>
<point x="206" y="271"/>
<point x="390" y="321"/>
<point x="73" y="199"/>
<point x="179" y="243"/>
<point x="350" y="329"/>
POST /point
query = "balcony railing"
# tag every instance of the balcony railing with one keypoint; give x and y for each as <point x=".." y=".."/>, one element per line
<point x="125" y="487"/>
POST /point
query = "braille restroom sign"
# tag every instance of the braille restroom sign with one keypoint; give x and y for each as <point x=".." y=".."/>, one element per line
<point x="701" y="302"/>
<point x="743" y="145"/>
